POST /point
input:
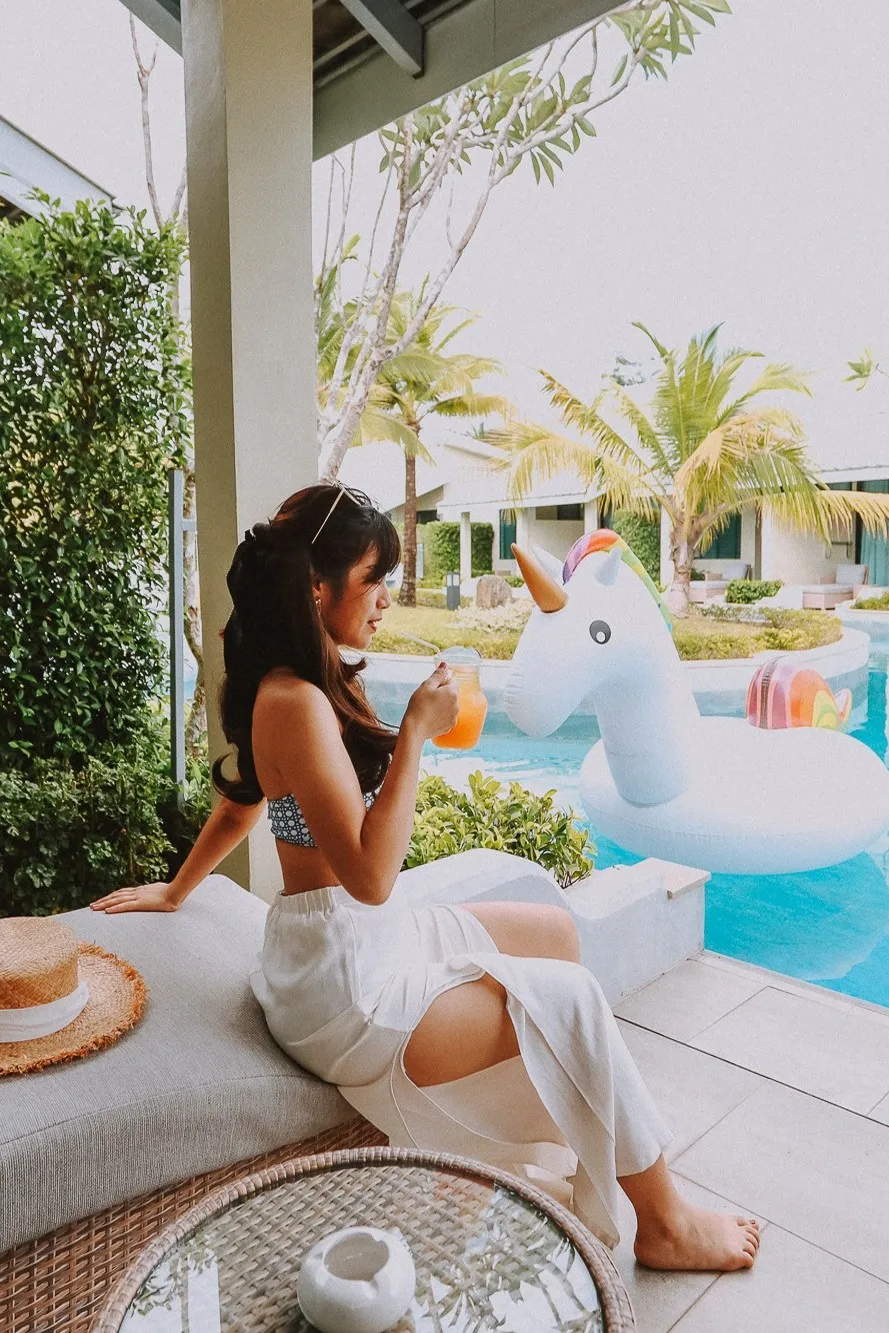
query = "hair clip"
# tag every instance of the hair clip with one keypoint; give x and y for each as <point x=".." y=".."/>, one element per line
<point x="341" y="491"/>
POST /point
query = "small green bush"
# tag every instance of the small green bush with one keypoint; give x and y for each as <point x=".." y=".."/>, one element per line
<point x="441" y="548"/>
<point x="751" y="590"/>
<point x="697" y="576"/>
<point x="68" y="836"/>
<point x="514" y="580"/>
<point x="872" y="603"/>
<point x="449" y="821"/>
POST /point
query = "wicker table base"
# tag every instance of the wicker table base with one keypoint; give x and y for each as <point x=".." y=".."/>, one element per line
<point x="491" y="1251"/>
<point x="57" y="1283"/>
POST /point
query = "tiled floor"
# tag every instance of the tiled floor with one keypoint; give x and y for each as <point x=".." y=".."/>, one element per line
<point x="778" y="1093"/>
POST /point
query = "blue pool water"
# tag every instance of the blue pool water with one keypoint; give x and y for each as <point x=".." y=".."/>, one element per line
<point x="830" y="926"/>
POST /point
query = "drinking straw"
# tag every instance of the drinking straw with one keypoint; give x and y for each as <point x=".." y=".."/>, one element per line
<point x="423" y="642"/>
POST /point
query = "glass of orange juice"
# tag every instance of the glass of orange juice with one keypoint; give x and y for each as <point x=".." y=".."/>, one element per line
<point x="472" y="706"/>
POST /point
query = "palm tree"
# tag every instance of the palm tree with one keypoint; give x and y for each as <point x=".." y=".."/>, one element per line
<point x="700" y="451"/>
<point x="425" y="380"/>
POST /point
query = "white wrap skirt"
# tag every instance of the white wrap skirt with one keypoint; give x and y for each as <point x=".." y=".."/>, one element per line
<point x="343" y="985"/>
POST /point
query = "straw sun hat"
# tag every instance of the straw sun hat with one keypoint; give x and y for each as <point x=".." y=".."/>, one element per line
<point x="60" y="997"/>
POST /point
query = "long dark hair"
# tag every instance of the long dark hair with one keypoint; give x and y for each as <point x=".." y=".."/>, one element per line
<point x="276" y="622"/>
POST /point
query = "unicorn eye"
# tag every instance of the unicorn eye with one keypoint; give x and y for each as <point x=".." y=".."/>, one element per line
<point x="600" y="631"/>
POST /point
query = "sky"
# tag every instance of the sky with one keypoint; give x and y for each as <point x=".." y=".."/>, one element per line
<point x="750" y="189"/>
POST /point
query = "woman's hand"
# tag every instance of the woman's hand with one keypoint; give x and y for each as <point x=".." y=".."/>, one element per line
<point x="157" y="897"/>
<point x="432" y="707"/>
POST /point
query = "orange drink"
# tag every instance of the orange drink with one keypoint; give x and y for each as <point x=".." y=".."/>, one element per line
<point x="472" y="706"/>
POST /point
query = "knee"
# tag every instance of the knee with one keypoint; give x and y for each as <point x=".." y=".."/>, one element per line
<point x="562" y="934"/>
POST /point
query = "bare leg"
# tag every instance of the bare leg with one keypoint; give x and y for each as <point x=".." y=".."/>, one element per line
<point x="672" y="1234"/>
<point x="468" y="1028"/>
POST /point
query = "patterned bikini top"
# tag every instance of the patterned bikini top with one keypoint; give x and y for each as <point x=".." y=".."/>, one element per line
<point x="287" y="822"/>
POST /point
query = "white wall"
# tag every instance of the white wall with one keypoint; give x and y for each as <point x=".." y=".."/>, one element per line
<point x="556" y="535"/>
<point x="799" y="558"/>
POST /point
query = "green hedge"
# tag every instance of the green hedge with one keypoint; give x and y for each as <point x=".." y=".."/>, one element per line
<point x="69" y="835"/>
<point x="644" y="536"/>
<point x="441" y="549"/>
<point x="880" y="603"/>
<point x="744" y="591"/>
<point x="516" y="821"/>
<point x="93" y="411"/>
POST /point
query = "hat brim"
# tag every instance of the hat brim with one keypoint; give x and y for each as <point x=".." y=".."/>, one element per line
<point x="117" y="999"/>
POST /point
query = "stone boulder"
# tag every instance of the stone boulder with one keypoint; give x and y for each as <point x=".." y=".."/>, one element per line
<point x="491" y="591"/>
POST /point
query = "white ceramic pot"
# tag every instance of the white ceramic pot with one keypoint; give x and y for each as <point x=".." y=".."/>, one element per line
<point x="357" y="1280"/>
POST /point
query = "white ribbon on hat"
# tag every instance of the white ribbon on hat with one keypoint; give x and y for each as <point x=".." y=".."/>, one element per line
<point x="42" y="1020"/>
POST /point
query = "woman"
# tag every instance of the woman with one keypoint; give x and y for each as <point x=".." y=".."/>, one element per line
<point x="472" y="1029"/>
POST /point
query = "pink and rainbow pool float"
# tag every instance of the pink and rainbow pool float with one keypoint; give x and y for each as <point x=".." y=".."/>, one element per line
<point x="789" y="793"/>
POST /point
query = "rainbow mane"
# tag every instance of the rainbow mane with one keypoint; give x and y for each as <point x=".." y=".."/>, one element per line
<point x="603" y="539"/>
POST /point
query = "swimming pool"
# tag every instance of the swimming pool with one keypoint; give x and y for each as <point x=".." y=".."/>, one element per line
<point x="830" y="926"/>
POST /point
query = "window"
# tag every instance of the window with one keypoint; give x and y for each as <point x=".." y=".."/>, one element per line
<point x="726" y="545"/>
<point x="545" y="512"/>
<point x="507" y="532"/>
<point x="427" y="516"/>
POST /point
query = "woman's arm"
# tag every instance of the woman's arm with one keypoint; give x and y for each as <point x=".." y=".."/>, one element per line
<point x="227" y="826"/>
<point x="365" y="848"/>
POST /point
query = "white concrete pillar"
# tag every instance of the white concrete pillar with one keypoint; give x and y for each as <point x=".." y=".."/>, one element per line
<point x="590" y="515"/>
<point x="465" y="546"/>
<point x="248" y="102"/>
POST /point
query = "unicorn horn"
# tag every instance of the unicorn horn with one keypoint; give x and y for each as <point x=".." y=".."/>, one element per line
<point x="546" y="592"/>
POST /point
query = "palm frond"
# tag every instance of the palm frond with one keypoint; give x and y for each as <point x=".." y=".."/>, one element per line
<point x="474" y="405"/>
<point x="587" y="419"/>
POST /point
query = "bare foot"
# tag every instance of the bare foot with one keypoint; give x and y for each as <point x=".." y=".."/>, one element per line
<point x="697" y="1239"/>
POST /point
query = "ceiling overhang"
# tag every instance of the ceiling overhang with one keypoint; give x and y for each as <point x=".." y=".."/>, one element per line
<point x="377" y="60"/>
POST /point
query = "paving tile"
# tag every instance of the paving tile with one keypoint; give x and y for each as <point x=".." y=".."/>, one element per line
<point x="841" y="1055"/>
<point x="881" y="1112"/>
<point x="659" y="1299"/>
<point x="814" y="1169"/>
<point x="688" y="999"/>
<point x="792" y="1288"/>
<point x="807" y="989"/>
<point x="693" y="1090"/>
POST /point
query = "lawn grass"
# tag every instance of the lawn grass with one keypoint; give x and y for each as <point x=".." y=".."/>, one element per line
<point x="697" y="637"/>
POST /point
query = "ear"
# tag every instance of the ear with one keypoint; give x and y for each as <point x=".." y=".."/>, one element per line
<point x="549" y="563"/>
<point x="610" y="566"/>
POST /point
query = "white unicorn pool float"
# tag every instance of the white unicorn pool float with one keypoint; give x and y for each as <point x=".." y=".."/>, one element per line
<point x="664" y="781"/>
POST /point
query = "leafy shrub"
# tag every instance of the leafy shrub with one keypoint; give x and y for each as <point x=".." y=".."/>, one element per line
<point x="697" y="576"/>
<point x="751" y="590"/>
<point x="441" y="547"/>
<point x="449" y="821"/>
<point x="718" y="632"/>
<point x="93" y="389"/>
<point x="872" y="603"/>
<point x="512" y="615"/>
<point x="68" y="836"/>
<point x="514" y="580"/>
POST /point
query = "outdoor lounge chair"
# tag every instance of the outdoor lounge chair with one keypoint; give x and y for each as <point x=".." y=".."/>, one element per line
<point x="715" y="582"/>
<point x="843" y="586"/>
<point x="98" y="1155"/>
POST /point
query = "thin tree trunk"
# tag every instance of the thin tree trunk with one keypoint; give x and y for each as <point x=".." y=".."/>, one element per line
<point x="196" y="726"/>
<point x="408" y="596"/>
<point x="682" y="556"/>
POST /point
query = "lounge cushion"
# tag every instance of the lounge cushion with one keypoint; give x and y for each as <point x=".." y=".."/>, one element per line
<point x="198" y="1084"/>
<point x="734" y="569"/>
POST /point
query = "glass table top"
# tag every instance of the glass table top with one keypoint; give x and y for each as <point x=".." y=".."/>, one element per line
<point x="485" y="1258"/>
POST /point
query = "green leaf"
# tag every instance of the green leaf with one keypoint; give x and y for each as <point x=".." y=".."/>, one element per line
<point x="619" y="71"/>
